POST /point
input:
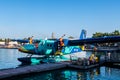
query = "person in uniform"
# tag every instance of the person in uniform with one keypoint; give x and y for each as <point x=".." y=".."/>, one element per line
<point x="61" y="42"/>
<point x="31" y="40"/>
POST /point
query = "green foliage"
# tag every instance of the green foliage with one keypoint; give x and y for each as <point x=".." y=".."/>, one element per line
<point x="1" y="40"/>
<point x="100" y="34"/>
<point x="71" y="37"/>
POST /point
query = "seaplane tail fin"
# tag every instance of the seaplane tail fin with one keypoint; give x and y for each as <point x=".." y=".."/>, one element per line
<point x="83" y="34"/>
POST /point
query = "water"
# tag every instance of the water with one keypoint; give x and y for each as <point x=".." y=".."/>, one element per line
<point x="8" y="58"/>
<point x="100" y="73"/>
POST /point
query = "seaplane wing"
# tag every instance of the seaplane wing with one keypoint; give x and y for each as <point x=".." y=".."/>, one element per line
<point x="20" y="40"/>
<point x="24" y="41"/>
<point x="94" y="40"/>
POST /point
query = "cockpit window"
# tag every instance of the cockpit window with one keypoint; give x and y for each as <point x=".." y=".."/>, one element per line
<point x="41" y="43"/>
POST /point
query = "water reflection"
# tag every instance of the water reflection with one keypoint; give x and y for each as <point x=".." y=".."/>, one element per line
<point x="100" y="73"/>
<point x="112" y="73"/>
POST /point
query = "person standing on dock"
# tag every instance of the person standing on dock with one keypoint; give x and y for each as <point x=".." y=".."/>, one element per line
<point x="109" y="54"/>
<point x="91" y="58"/>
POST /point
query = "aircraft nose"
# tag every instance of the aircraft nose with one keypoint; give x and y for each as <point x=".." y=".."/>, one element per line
<point x="29" y="48"/>
<point x="20" y="49"/>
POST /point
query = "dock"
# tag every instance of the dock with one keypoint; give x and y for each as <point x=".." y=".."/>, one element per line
<point x="84" y="67"/>
<point x="30" y="69"/>
<point x="17" y="72"/>
<point x="4" y="74"/>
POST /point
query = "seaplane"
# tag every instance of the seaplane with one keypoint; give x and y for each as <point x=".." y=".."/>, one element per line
<point x="56" y="50"/>
<point x="52" y="50"/>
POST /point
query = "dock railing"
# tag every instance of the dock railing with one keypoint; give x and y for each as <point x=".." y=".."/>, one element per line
<point x="112" y="57"/>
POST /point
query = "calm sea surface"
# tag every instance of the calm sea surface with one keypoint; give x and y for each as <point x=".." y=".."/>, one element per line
<point x="8" y="59"/>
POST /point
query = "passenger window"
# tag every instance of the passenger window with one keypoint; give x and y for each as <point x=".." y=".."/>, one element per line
<point x="48" y="45"/>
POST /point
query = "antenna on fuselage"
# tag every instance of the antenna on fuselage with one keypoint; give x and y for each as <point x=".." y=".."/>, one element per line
<point x="53" y="35"/>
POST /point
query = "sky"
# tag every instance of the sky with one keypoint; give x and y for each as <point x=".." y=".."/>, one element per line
<point x="39" y="18"/>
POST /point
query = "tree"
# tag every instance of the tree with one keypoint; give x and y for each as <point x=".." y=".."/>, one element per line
<point x="116" y="32"/>
<point x="99" y="34"/>
<point x="71" y="37"/>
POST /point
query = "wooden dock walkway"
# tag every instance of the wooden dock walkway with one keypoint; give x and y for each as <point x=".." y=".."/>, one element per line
<point x="30" y="69"/>
<point x="10" y="73"/>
